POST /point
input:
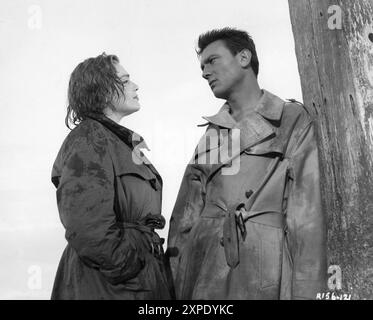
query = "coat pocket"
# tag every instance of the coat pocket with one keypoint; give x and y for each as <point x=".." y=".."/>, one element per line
<point x="271" y="247"/>
<point x="268" y="230"/>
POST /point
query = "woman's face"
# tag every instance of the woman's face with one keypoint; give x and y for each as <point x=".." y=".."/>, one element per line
<point x="129" y="103"/>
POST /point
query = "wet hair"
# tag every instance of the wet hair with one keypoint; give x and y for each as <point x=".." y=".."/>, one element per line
<point x="92" y="87"/>
<point x="234" y="39"/>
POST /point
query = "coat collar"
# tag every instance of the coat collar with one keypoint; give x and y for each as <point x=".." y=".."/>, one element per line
<point x="135" y="142"/>
<point x="269" y="107"/>
<point x="123" y="133"/>
<point x="257" y="131"/>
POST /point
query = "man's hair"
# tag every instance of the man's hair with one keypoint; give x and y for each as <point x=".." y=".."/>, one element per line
<point x="93" y="85"/>
<point x="235" y="40"/>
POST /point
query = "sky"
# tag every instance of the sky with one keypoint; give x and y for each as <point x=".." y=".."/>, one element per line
<point x="41" y="42"/>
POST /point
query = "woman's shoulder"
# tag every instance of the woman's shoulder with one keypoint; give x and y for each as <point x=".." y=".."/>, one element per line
<point x="88" y="140"/>
<point x="89" y="134"/>
<point x="88" y="129"/>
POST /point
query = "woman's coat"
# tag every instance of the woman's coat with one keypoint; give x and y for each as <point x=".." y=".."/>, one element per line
<point x="109" y="201"/>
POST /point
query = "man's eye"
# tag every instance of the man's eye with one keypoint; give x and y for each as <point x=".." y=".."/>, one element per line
<point x="212" y="60"/>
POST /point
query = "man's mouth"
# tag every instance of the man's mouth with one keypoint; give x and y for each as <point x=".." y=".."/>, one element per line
<point x="211" y="83"/>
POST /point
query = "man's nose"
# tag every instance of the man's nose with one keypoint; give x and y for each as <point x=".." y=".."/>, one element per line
<point x="206" y="73"/>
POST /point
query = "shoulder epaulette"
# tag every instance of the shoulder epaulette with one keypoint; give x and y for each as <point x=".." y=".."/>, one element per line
<point x="300" y="103"/>
<point x="203" y="124"/>
<point x="295" y="101"/>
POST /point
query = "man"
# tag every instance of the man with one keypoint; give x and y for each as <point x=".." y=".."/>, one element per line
<point x="247" y="223"/>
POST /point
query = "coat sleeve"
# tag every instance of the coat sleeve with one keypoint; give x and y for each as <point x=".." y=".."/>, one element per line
<point x="305" y="219"/>
<point x="189" y="203"/>
<point x="85" y="197"/>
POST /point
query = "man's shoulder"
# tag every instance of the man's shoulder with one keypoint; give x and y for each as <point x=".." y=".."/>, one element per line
<point x="296" y="112"/>
<point x="296" y="107"/>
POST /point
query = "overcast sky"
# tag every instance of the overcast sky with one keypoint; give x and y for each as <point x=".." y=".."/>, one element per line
<point x="42" y="41"/>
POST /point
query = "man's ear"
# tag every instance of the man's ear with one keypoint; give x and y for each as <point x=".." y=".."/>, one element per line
<point x="245" y="58"/>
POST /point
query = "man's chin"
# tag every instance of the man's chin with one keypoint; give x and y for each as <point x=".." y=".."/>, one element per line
<point x="218" y="94"/>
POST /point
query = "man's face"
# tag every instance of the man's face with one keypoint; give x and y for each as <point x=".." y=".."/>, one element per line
<point x="221" y="69"/>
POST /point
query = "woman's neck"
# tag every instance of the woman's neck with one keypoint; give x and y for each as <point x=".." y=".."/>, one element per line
<point x="114" y="116"/>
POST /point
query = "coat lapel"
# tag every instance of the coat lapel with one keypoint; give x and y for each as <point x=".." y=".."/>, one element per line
<point x="255" y="134"/>
<point x="135" y="160"/>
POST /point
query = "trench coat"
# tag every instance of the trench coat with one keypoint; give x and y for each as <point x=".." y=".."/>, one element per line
<point x="109" y="202"/>
<point x="279" y="250"/>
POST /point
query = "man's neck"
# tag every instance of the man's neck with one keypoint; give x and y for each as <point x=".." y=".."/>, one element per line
<point x="244" y="101"/>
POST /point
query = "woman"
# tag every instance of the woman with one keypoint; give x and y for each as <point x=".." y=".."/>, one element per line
<point x="108" y="194"/>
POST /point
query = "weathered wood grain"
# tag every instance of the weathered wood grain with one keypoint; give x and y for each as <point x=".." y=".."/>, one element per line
<point x="336" y="71"/>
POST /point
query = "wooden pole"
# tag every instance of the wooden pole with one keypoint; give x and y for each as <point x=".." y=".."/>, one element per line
<point x="334" y="48"/>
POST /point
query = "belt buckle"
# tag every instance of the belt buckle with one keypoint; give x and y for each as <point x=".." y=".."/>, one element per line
<point x="156" y="249"/>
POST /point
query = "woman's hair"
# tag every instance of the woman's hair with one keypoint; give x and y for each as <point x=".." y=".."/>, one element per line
<point x="93" y="85"/>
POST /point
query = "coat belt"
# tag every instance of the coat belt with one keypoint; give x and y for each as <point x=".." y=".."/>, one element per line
<point x="233" y="228"/>
<point x="140" y="227"/>
<point x="155" y="242"/>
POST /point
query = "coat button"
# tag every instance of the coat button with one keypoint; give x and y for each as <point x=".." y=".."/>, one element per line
<point x="222" y="242"/>
<point x="249" y="193"/>
<point x="153" y="183"/>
